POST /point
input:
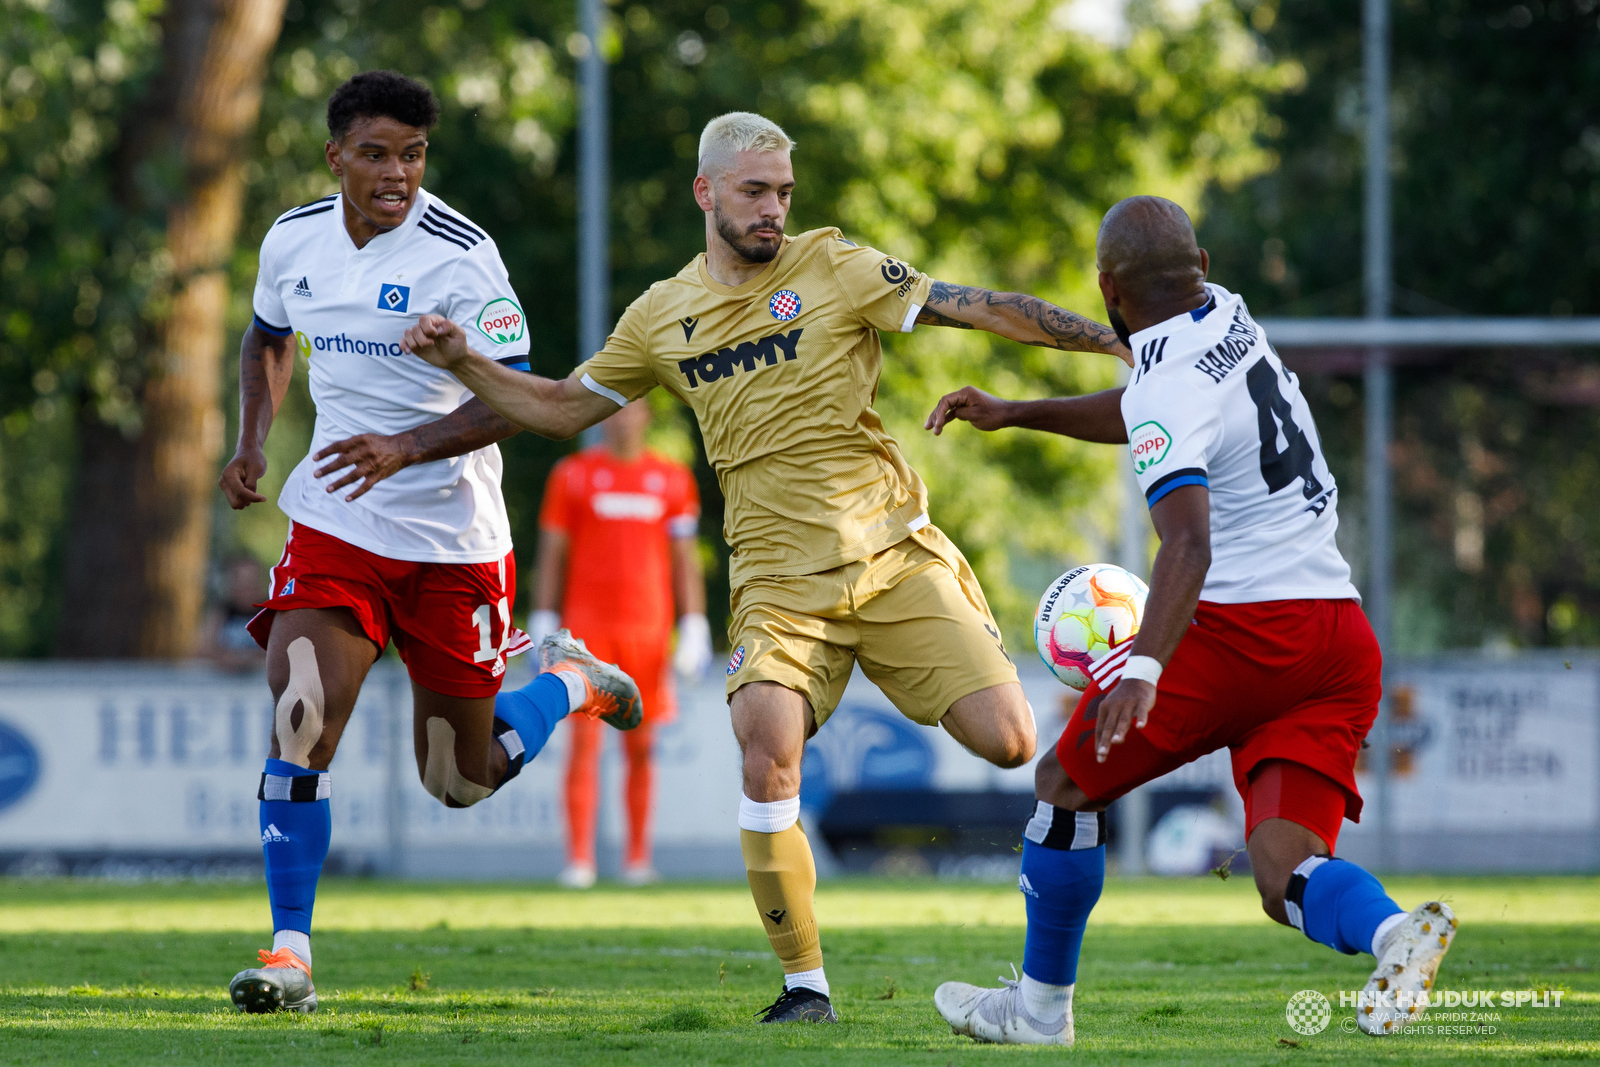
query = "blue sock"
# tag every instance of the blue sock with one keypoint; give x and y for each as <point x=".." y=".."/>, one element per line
<point x="1063" y="872"/>
<point x="296" y="823"/>
<point x="533" y="712"/>
<point x="1337" y="903"/>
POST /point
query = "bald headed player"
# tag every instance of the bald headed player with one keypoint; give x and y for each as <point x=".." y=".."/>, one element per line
<point x="773" y="341"/>
<point x="1253" y="640"/>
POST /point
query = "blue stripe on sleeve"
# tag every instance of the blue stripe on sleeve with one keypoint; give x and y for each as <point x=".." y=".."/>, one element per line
<point x="1176" y="480"/>
<point x="266" y="327"/>
<point x="516" y="363"/>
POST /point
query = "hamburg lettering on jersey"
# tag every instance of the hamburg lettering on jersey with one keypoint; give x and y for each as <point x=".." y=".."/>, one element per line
<point x="720" y="364"/>
<point x="1231" y="350"/>
<point x="1249" y="441"/>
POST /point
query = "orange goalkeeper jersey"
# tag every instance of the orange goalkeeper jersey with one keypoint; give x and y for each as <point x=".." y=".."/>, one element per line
<point x="619" y="519"/>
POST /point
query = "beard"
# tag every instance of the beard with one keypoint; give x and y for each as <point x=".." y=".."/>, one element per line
<point x="1119" y="324"/>
<point x="751" y="249"/>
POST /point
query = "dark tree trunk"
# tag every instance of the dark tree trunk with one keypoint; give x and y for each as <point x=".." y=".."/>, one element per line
<point x="152" y="496"/>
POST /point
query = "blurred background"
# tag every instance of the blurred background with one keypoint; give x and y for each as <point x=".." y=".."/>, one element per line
<point x="146" y="147"/>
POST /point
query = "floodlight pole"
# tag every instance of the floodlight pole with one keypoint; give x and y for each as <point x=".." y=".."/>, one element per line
<point x="594" y="268"/>
<point x="594" y="191"/>
<point x="1379" y="383"/>
<point x="1133" y="554"/>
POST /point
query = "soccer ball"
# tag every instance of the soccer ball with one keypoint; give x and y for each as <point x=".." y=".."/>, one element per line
<point x="1082" y="614"/>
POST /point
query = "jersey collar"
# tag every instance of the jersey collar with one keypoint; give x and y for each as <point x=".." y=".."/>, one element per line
<point x="382" y="243"/>
<point x="1180" y="321"/>
<point x="748" y="287"/>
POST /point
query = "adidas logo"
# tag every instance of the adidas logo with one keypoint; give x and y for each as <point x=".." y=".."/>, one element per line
<point x="776" y="915"/>
<point x="1027" y="887"/>
<point x="272" y="834"/>
<point x="302" y="287"/>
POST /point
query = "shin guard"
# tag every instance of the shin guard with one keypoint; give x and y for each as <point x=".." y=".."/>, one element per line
<point x="1337" y="903"/>
<point x="783" y="880"/>
<point x="1063" y="873"/>
<point x="296" y="825"/>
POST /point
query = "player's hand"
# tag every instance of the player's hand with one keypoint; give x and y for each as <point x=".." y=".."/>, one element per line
<point x="437" y="340"/>
<point x="370" y="457"/>
<point x="969" y="404"/>
<point x="240" y="476"/>
<point x="693" y="654"/>
<point x="1125" y="706"/>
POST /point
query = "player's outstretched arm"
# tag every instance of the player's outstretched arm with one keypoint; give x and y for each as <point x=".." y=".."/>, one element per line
<point x="266" y="363"/>
<point x="1183" y="522"/>
<point x="1021" y="318"/>
<point x="1096" y="417"/>
<point x="556" y="409"/>
<point x="372" y="457"/>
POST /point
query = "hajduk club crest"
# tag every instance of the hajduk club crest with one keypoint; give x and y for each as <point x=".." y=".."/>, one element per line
<point x="784" y="305"/>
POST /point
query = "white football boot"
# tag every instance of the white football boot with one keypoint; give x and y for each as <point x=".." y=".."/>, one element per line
<point x="1407" y="963"/>
<point x="640" y="874"/>
<point x="281" y="983"/>
<point x="577" y="876"/>
<point x="998" y="1016"/>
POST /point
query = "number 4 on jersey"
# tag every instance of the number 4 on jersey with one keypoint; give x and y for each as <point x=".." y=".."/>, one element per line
<point x="1279" y="469"/>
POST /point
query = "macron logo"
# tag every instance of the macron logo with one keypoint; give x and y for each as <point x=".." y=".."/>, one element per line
<point x="273" y="835"/>
<point x="1027" y="887"/>
<point x="302" y="287"/>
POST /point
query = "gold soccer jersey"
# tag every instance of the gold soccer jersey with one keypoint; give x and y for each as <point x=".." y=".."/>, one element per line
<point x="781" y="373"/>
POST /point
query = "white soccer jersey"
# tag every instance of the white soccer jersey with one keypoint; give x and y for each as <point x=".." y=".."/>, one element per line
<point x="347" y="308"/>
<point x="1210" y="403"/>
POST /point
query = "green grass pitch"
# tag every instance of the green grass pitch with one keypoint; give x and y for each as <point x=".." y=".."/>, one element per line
<point x="1173" y="972"/>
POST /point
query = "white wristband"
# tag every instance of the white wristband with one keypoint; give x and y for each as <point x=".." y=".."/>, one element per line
<point x="1143" y="668"/>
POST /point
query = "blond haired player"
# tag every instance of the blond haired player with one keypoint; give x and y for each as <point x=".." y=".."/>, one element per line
<point x="773" y="341"/>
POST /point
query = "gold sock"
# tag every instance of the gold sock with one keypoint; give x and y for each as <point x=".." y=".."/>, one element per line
<point x="783" y="878"/>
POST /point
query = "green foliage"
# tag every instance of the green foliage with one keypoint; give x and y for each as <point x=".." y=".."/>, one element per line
<point x="979" y="139"/>
<point x="78" y="274"/>
<point x="79" y="271"/>
<point x="1496" y="212"/>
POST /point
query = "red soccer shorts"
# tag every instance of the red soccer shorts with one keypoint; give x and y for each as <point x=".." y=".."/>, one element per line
<point x="1290" y="680"/>
<point x="450" y="622"/>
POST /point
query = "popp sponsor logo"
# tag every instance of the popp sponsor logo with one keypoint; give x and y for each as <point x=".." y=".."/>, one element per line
<point x="1149" y="443"/>
<point x="501" y="321"/>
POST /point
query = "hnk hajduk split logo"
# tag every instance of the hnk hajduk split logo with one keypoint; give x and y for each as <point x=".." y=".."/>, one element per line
<point x="1308" y="1012"/>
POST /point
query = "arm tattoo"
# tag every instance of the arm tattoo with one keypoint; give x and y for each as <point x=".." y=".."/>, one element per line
<point x="1048" y="325"/>
<point x="929" y="317"/>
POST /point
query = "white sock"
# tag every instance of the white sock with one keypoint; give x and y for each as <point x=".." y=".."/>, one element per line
<point x="815" y="980"/>
<point x="770" y="817"/>
<point x="1044" y="1001"/>
<point x="1383" y="931"/>
<point x="294" y="941"/>
<point x="577" y="692"/>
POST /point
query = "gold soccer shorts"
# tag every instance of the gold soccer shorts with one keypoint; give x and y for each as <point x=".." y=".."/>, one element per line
<point x="913" y="616"/>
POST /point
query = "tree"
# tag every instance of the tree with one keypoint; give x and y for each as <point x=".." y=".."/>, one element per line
<point x="979" y="139"/>
<point x="139" y="542"/>
<point x="1496" y="212"/>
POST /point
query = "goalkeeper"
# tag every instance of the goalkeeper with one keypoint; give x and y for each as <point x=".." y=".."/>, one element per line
<point x="618" y="537"/>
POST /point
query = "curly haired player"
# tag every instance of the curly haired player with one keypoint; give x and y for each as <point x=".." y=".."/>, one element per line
<point x="419" y="552"/>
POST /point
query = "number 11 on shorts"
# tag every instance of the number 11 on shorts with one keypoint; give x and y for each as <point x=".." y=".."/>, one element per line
<point x="481" y="617"/>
